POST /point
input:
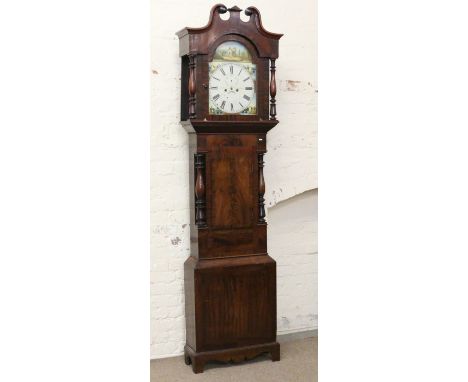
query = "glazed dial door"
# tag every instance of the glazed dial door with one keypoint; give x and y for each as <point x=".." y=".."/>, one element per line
<point x="232" y="89"/>
<point x="232" y="81"/>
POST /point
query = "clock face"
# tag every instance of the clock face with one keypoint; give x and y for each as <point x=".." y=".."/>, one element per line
<point x="232" y="88"/>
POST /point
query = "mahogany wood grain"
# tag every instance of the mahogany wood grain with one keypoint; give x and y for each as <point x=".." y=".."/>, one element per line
<point x="229" y="279"/>
<point x="230" y="304"/>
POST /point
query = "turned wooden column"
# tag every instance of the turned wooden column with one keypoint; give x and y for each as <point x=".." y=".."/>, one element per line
<point x="200" y="202"/>
<point x="261" y="190"/>
<point x="273" y="89"/>
<point x="191" y="86"/>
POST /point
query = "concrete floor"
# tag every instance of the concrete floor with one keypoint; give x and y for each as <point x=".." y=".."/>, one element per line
<point x="298" y="364"/>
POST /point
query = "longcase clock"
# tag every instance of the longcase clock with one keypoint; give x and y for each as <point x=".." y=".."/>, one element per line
<point x="227" y="106"/>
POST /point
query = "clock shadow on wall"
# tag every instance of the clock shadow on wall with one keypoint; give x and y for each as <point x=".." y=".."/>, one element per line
<point x="227" y="106"/>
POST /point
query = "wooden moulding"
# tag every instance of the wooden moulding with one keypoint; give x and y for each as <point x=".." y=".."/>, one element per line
<point x="220" y="127"/>
<point x="198" y="40"/>
<point x="198" y="360"/>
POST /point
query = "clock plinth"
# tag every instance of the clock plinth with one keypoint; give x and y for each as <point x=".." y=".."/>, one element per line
<point x="198" y="360"/>
<point x="230" y="280"/>
<point x="230" y="309"/>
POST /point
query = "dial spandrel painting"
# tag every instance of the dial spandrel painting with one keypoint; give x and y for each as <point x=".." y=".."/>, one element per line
<point x="233" y="81"/>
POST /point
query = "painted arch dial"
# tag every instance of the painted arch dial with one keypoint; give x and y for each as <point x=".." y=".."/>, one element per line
<point x="232" y="89"/>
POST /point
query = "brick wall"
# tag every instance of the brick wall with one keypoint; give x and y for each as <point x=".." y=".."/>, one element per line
<point x="292" y="242"/>
<point x="290" y="169"/>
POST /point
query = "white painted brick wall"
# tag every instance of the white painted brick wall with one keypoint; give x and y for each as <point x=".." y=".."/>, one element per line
<point x="292" y="242"/>
<point x="290" y="168"/>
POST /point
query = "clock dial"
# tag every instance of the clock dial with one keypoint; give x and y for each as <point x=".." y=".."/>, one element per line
<point x="232" y="88"/>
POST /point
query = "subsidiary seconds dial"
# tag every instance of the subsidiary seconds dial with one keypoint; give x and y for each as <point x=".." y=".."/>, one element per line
<point x="231" y="88"/>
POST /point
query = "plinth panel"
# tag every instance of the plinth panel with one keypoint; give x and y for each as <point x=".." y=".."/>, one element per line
<point x="235" y="302"/>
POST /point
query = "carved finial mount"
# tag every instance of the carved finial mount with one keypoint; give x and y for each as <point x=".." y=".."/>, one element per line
<point x="249" y="11"/>
<point x="221" y="8"/>
<point x="235" y="8"/>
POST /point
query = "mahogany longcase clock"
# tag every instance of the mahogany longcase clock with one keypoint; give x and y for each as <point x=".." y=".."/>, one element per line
<point x="228" y="105"/>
